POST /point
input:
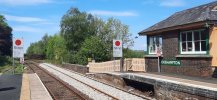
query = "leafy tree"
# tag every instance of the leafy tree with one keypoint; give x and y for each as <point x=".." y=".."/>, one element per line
<point x="82" y="36"/>
<point x="76" y="26"/>
<point x="114" y="29"/>
<point x="5" y="37"/>
<point x="92" y="47"/>
<point x="56" y="48"/>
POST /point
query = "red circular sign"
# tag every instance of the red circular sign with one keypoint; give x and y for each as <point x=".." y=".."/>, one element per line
<point x="18" y="42"/>
<point x="117" y="43"/>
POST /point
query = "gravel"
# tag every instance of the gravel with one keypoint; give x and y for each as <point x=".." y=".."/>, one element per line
<point x="122" y="95"/>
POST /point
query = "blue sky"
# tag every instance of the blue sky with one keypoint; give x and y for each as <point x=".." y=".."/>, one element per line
<point x="31" y="19"/>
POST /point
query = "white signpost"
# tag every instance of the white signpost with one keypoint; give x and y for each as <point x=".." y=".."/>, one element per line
<point x="18" y="48"/>
<point x="117" y="48"/>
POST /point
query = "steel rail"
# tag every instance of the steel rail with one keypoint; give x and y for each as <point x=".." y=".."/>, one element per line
<point x="107" y="84"/>
<point x="52" y="95"/>
<point x="71" y="89"/>
<point x="114" y="98"/>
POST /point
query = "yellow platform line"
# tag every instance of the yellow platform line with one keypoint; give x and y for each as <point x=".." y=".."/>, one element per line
<point x="25" y="90"/>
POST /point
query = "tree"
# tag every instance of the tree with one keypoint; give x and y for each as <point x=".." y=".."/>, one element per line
<point x="114" y="29"/>
<point x="92" y="47"/>
<point x="76" y="26"/>
<point x="56" y="48"/>
<point x="5" y="37"/>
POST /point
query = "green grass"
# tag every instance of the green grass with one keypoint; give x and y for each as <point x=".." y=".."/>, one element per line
<point x="5" y="68"/>
<point x="19" y="69"/>
<point x="6" y="65"/>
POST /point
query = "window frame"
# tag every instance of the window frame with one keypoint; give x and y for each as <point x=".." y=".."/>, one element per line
<point x="193" y="42"/>
<point x="160" y="42"/>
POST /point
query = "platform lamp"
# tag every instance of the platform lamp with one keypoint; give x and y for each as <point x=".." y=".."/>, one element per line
<point x="206" y="25"/>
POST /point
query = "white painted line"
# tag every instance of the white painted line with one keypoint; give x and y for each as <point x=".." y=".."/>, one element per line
<point x="44" y="86"/>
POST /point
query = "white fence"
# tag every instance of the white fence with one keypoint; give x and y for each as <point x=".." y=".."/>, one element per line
<point x="131" y="64"/>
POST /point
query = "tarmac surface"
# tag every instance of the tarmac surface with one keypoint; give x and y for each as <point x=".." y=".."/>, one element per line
<point x="22" y="87"/>
<point x="10" y="86"/>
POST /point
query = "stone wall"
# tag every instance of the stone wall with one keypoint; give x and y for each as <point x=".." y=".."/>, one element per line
<point x="165" y="92"/>
<point x="174" y="90"/>
<point x="78" y="68"/>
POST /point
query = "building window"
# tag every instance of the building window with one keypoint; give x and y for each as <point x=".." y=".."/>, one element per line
<point x="155" y="42"/>
<point x="193" y="42"/>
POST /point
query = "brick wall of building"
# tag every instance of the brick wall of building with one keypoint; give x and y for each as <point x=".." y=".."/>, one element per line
<point x="200" y="67"/>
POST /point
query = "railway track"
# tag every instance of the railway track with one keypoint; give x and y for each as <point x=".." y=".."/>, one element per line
<point x="57" y="88"/>
<point x="110" y="92"/>
<point x="68" y="86"/>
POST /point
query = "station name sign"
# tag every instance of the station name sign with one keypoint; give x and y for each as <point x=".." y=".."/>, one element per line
<point x="171" y="62"/>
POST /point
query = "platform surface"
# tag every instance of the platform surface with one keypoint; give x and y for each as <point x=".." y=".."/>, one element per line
<point x="37" y="89"/>
<point x="206" y="87"/>
<point x="208" y="83"/>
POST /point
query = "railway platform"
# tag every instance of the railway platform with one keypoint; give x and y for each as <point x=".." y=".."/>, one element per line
<point x="205" y="87"/>
<point x="22" y="87"/>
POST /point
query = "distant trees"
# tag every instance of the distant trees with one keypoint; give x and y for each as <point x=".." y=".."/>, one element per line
<point x="5" y="38"/>
<point x="83" y="36"/>
<point x="39" y="47"/>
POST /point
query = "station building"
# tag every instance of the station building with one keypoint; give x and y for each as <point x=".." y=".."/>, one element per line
<point x="187" y="41"/>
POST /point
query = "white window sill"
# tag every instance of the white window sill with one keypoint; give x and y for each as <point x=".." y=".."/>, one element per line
<point x="194" y="53"/>
<point x="152" y="56"/>
<point x="193" y="56"/>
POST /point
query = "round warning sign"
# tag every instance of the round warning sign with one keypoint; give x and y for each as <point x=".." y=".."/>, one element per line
<point x="117" y="48"/>
<point x="18" y="42"/>
<point x="117" y="43"/>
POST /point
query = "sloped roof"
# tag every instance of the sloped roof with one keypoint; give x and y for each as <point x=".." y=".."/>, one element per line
<point x="206" y="12"/>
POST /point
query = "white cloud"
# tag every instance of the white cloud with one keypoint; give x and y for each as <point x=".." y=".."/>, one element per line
<point x="23" y="19"/>
<point x="26" y="29"/>
<point x="37" y="30"/>
<point x="173" y="3"/>
<point x="112" y="13"/>
<point x="24" y="2"/>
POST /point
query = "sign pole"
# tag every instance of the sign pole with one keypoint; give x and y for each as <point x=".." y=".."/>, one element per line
<point x="158" y="57"/>
<point x="13" y="65"/>
<point x="114" y="63"/>
<point x="121" y="64"/>
<point x="158" y="63"/>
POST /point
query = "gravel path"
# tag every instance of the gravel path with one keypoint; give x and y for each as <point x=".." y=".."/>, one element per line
<point x="88" y="90"/>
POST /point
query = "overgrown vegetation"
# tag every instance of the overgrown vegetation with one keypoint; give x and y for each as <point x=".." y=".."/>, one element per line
<point x="5" y="45"/>
<point x="5" y="37"/>
<point x="84" y="36"/>
<point x="6" y="65"/>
